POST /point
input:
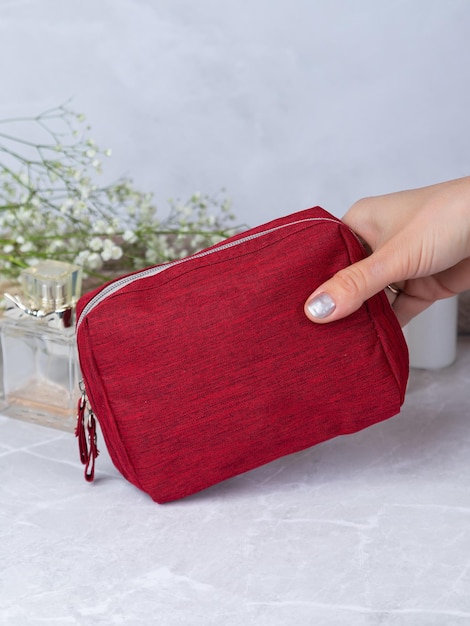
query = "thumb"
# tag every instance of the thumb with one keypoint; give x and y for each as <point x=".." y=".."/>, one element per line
<point x="347" y="290"/>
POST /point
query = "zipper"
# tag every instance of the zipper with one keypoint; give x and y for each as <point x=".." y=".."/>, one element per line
<point x="85" y="431"/>
<point x="119" y="284"/>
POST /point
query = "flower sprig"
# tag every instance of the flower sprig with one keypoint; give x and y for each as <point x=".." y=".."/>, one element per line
<point x="52" y="207"/>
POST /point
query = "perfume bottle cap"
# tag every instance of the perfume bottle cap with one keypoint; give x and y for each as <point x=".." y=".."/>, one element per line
<point x="51" y="285"/>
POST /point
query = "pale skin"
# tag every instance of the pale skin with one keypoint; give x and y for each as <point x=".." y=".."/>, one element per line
<point x="419" y="242"/>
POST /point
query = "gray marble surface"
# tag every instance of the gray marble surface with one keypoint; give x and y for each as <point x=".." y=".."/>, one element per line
<point x="367" y="530"/>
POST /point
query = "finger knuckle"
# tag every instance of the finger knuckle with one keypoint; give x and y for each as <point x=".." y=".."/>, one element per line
<point x="351" y="281"/>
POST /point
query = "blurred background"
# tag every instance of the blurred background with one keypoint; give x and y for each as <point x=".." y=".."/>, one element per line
<point x="283" y="103"/>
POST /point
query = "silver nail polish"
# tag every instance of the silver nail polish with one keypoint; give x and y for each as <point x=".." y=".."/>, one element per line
<point x="321" y="306"/>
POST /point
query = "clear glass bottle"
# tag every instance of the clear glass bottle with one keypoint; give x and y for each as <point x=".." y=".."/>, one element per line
<point x="40" y="362"/>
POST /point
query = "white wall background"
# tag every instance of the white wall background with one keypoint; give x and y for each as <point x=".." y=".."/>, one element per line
<point x="285" y="103"/>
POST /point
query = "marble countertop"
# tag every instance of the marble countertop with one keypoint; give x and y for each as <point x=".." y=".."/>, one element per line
<point x="367" y="530"/>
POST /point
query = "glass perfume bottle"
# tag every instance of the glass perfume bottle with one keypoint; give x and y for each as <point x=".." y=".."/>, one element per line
<point x="40" y="362"/>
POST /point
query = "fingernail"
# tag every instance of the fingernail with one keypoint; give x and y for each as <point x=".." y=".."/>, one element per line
<point x="321" y="306"/>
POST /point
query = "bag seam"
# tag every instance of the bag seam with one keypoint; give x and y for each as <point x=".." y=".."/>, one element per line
<point x="373" y="321"/>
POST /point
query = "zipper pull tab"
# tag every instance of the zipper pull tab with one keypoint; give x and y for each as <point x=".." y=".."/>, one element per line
<point x="80" y="427"/>
<point x="92" y="447"/>
<point x="86" y="433"/>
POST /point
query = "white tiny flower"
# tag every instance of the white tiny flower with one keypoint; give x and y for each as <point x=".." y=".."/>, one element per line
<point x="84" y="192"/>
<point x="95" y="244"/>
<point x="129" y="236"/>
<point x="23" y="215"/>
<point x="82" y="257"/>
<point x="94" y="261"/>
<point x="108" y="152"/>
<point x="90" y="153"/>
<point x="186" y="211"/>
<point x="169" y="252"/>
<point x="116" y="252"/>
<point x="105" y="255"/>
<point x="110" y="251"/>
<point x="151" y="256"/>
<point x="79" y="208"/>
<point x="131" y="210"/>
<point x="99" y="226"/>
<point x="64" y="208"/>
<point x="55" y="246"/>
<point x="26" y="247"/>
<point x="8" y="248"/>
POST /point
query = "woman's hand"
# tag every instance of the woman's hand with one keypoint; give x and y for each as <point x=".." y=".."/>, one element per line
<point x="419" y="242"/>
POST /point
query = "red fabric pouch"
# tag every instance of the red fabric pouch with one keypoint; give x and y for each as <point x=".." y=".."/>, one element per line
<point x="207" y="367"/>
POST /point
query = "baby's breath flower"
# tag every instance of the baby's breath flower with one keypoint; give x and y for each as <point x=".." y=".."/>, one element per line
<point x="151" y="257"/>
<point x="83" y="191"/>
<point x="26" y="247"/>
<point x="82" y="257"/>
<point x="99" y="226"/>
<point x="129" y="236"/>
<point x="55" y="246"/>
<point x="53" y="206"/>
<point x="78" y="208"/>
<point x="66" y="205"/>
<point x="111" y="251"/>
<point x="95" y="244"/>
<point x="186" y="211"/>
<point x="94" y="261"/>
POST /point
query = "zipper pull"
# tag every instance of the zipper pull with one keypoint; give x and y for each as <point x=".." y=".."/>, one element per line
<point x="85" y="431"/>
<point x="80" y="427"/>
<point x="92" y="447"/>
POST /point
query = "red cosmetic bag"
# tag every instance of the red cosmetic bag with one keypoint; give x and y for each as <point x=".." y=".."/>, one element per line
<point x="206" y="367"/>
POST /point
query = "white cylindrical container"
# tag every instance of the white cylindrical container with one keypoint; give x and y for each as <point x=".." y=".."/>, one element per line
<point x="432" y="335"/>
